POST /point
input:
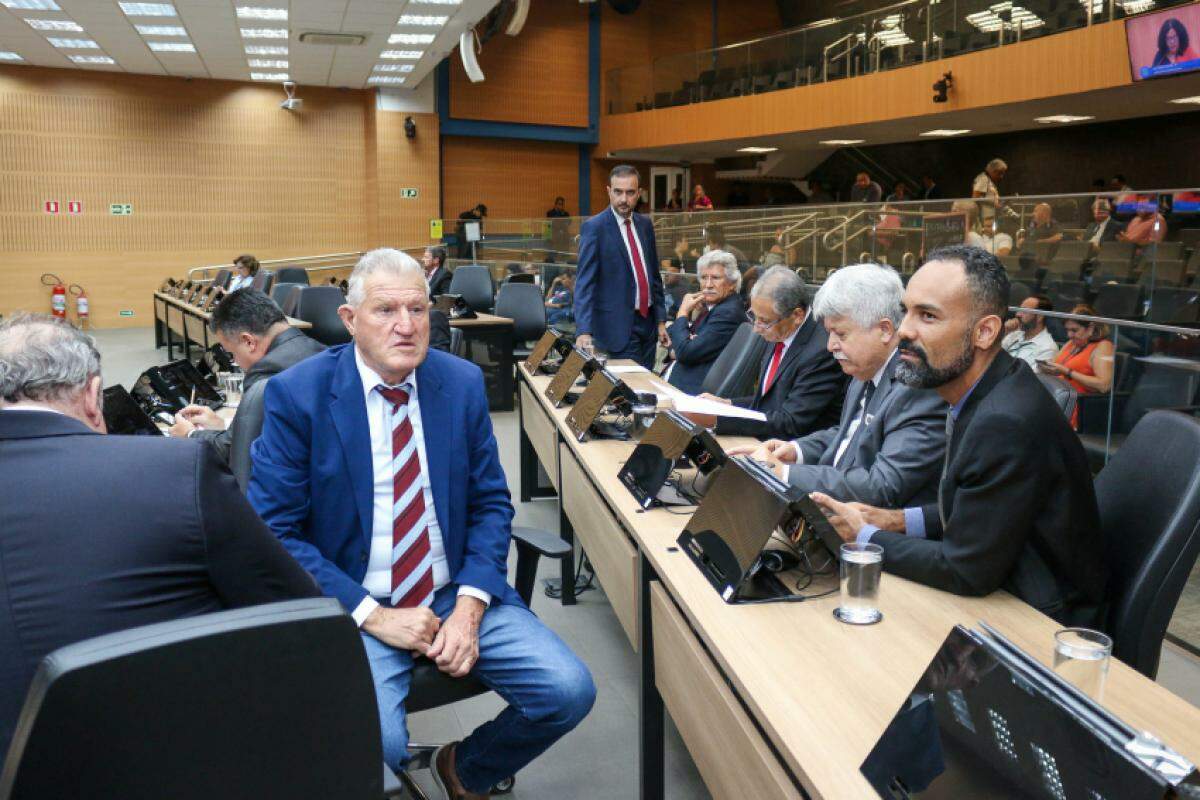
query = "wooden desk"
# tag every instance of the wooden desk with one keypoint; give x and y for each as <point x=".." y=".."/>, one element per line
<point x="489" y="345"/>
<point x="775" y="701"/>
<point x="173" y="317"/>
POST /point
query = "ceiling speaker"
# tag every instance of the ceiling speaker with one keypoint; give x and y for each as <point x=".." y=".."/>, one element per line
<point x="466" y="49"/>
<point x="625" y="6"/>
<point x="517" y="21"/>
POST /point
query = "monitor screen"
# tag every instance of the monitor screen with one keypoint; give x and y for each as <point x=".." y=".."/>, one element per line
<point x="1164" y="43"/>
<point x="123" y="416"/>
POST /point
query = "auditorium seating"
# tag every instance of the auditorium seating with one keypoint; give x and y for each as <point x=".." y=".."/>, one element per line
<point x="474" y="282"/>
<point x="318" y="305"/>
<point x="524" y="305"/>
<point x="1063" y="393"/>
<point x="734" y="371"/>
<point x="285" y="295"/>
<point x="292" y="275"/>
<point x="223" y="276"/>
<point x="263" y="280"/>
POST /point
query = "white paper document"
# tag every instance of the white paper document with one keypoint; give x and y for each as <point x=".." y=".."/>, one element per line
<point x="690" y="404"/>
<point x="629" y="369"/>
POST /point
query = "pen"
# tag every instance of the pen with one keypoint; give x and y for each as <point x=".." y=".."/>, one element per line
<point x="193" y="400"/>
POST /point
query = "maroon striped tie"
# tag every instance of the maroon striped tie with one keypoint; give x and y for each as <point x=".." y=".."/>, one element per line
<point x="412" y="564"/>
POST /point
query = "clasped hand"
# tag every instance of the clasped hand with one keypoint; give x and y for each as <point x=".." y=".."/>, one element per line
<point x="453" y="645"/>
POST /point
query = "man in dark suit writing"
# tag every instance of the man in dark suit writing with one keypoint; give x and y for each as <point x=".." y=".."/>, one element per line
<point x="378" y="470"/>
<point x="619" y="305"/>
<point x="1015" y="508"/>
<point x="103" y="533"/>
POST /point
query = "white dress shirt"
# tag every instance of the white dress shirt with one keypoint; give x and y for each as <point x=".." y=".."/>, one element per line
<point x="378" y="580"/>
<point x="642" y="253"/>
<point x="240" y="282"/>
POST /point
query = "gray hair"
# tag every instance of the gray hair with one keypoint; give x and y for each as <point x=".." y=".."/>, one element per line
<point x="384" y="260"/>
<point x="719" y="258"/>
<point x="995" y="164"/>
<point x="784" y="288"/>
<point x="864" y="293"/>
<point x="44" y="360"/>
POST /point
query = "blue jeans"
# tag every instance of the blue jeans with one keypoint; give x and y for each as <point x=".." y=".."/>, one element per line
<point x="548" y="690"/>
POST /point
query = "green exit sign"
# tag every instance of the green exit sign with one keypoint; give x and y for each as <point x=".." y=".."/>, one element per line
<point x="120" y="209"/>
<point x="126" y="312"/>
<point x="408" y="194"/>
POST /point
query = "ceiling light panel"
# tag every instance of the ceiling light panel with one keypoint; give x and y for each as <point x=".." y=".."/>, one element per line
<point x="757" y="149"/>
<point x="842" y="142"/>
<point x="990" y="21"/>
<point x="1194" y="100"/>
<point x="268" y="63"/>
<point x="411" y="38"/>
<point x="92" y="59"/>
<point x="421" y="19"/>
<point x="255" y="12"/>
<point x="72" y="44"/>
<point x="266" y="50"/>
<point x="269" y="76"/>
<point x="412" y="55"/>
<point x="437" y="2"/>
<point x="55" y="25"/>
<point x="378" y="79"/>
<point x="264" y="33"/>
<point x="6" y="55"/>
<point x="31" y="5"/>
<point x="148" y="9"/>
<point x="1062" y="118"/>
<point x="393" y="67"/>
<point x="172" y="47"/>
<point x="160" y="30"/>
<point x="947" y="132"/>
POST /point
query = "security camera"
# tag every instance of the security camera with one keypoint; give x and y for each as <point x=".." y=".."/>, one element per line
<point x="410" y="128"/>
<point x="941" y="89"/>
<point x="292" y="103"/>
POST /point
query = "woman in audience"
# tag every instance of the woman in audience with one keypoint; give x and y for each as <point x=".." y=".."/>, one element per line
<point x="246" y="267"/>
<point x="700" y="200"/>
<point x="1086" y="359"/>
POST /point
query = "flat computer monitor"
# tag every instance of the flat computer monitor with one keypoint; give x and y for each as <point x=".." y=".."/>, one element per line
<point x="124" y="417"/>
<point x="1164" y="43"/>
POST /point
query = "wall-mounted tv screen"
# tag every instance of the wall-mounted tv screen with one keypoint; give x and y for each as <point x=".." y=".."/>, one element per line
<point x="1164" y="43"/>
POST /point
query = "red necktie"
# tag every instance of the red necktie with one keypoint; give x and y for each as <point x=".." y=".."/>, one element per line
<point x="773" y="370"/>
<point x="412" y="564"/>
<point x="639" y="271"/>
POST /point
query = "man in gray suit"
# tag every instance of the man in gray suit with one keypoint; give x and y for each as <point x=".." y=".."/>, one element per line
<point x="889" y="445"/>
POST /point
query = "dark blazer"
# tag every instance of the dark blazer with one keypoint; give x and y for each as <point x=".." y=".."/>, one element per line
<point x="312" y="480"/>
<point x="604" y="284"/>
<point x="439" y="330"/>
<point x="289" y="347"/>
<point x="806" y="395"/>
<point x="696" y="347"/>
<point x="439" y="282"/>
<point x="1020" y="509"/>
<point x="103" y="533"/>
<point x="895" y="456"/>
<point x="1110" y="231"/>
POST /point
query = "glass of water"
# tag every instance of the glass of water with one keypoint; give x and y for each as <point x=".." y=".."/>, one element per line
<point x="860" y="570"/>
<point x="1081" y="656"/>
<point x="231" y="382"/>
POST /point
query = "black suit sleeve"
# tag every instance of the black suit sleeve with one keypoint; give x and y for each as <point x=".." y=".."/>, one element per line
<point x="998" y="488"/>
<point x="246" y="563"/>
<point x="813" y="391"/>
<point x="439" y="331"/>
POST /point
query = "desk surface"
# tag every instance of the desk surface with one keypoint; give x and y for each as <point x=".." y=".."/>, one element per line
<point x="482" y="321"/>
<point x="824" y="691"/>
<point x="206" y="316"/>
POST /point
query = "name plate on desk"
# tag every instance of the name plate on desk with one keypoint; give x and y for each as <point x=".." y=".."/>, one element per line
<point x="549" y="342"/>
<point x="572" y="366"/>
<point x="167" y="287"/>
<point x="215" y="293"/>
<point x="671" y="437"/>
<point x="603" y="387"/>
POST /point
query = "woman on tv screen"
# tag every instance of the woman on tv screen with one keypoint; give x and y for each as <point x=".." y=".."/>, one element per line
<point x="1173" y="43"/>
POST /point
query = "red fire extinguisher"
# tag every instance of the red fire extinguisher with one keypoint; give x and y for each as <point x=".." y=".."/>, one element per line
<point x="81" y="303"/>
<point x="58" y="295"/>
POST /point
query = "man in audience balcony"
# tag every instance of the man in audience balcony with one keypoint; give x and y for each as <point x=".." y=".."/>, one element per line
<point x="1027" y="337"/>
<point x="865" y="190"/>
<point x="1016" y="509"/>
<point x="986" y="187"/>
<point x="1103" y="228"/>
<point x="378" y="469"/>
<point x="888" y="448"/>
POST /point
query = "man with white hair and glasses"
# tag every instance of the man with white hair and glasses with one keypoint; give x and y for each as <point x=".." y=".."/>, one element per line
<point x="706" y="320"/>
<point x="378" y="469"/>
<point x="887" y="449"/>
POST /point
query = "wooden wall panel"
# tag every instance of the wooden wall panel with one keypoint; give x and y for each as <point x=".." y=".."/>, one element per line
<point x="538" y="77"/>
<point x="513" y="178"/>
<point x="406" y="163"/>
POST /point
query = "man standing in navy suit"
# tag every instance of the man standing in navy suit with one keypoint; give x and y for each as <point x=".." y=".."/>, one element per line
<point x="378" y="470"/>
<point x="619" y="304"/>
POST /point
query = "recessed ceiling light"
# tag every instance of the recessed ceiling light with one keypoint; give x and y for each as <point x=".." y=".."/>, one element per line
<point x="1195" y="100"/>
<point x="266" y="50"/>
<point x="254" y="12"/>
<point x="92" y="60"/>
<point x="946" y="132"/>
<point x="269" y="63"/>
<point x="410" y="38"/>
<point x="1061" y="118"/>
<point x="73" y="44"/>
<point x="31" y="5"/>
<point x="385" y="79"/>
<point x="5" y="55"/>
<point x="421" y="19"/>
<point x="409" y="54"/>
<point x="393" y="67"/>
<point x="148" y="9"/>
<point x="172" y="47"/>
<point x="264" y="33"/>
<point x="54" y="25"/>
<point x="842" y="142"/>
<point x="160" y="30"/>
<point x="269" y="76"/>
<point x="757" y="149"/>
<point x="437" y="2"/>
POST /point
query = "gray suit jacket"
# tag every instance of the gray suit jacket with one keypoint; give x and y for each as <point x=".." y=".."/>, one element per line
<point x="895" y="456"/>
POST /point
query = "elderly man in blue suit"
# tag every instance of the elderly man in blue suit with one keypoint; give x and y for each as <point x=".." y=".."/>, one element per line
<point x="619" y="292"/>
<point x="378" y="470"/>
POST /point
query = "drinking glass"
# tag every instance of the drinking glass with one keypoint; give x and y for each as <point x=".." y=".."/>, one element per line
<point x="1081" y="656"/>
<point x="231" y="382"/>
<point x="861" y="570"/>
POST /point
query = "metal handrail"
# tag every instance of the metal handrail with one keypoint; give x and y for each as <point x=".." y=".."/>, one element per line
<point x="293" y="260"/>
<point x="1112" y="321"/>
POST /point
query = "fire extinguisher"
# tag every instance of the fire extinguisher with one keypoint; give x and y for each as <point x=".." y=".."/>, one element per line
<point x="58" y="295"/>
<point x="81" y="303"/>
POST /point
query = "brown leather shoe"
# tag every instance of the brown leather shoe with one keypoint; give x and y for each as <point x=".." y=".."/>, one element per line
<point x="446" y="777"/>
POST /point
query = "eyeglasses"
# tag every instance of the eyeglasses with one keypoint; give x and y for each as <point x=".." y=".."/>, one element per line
<point x="760" y="325"/>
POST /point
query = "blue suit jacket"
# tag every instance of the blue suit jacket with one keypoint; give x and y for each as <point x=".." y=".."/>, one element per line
<point x="604" y="285"/>
<point x="312" y="478"/>
<point x="697" y="347"/>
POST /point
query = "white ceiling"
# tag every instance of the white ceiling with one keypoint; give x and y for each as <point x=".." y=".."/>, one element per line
<point x="214" y="28"/>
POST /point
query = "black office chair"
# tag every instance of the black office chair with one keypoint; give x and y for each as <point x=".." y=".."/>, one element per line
<point x="284" y="295"/>
<point x="318" y="305"/>
<point x="222" y="279"/>
<point x="524" y="305"/>
<point x="431" y="688"/>
<point x="474" y="283"/>
<point x="458" y="343"/>
<point x="293" y="275"/>
<point x="263" y="280"/>
<point x="222" y="705"/>
<point x="1149" y="497"/>
<point x="735" y="370"/>
<point x="1119" y="300"/>
<point x="1063" y="393"/>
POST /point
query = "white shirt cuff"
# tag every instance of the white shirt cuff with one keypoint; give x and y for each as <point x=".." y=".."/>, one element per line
<point x="799" y="453"/>
<point x="364" y="610"/>
<point x="478" y="594"/>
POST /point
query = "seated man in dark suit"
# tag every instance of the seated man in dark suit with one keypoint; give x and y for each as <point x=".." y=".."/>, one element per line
<point x="1016" y="509"/>
<point x="888" y="448"/>
<point x="705" y="321"/>
<point x="103" y="533"/>
<point x="378" y="470"/>
<point x="436" y="274"/>
<point x="800" y="385"/>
